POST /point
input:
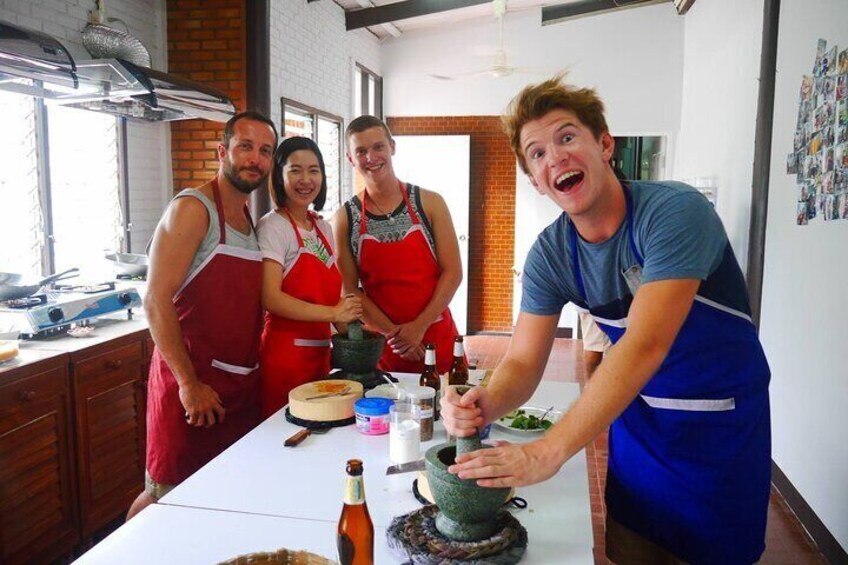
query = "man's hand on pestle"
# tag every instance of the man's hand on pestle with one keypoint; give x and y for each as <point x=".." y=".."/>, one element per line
<point x="508" y="464"/>
<point x="463" y="415"/>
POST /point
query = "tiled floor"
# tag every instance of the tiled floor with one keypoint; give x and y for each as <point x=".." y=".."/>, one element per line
<point x="786" y="540"/>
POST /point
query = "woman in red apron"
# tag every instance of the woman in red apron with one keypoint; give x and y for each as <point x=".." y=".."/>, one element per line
<point x="220" y="315"/>
<point x="400" y="277"/>
<point x="301" y="285"/>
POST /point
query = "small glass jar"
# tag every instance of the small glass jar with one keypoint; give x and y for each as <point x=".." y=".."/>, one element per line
<point x="425" y="398"/>
<point x="372" y="415"/>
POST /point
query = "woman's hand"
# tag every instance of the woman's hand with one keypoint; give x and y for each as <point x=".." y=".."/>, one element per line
<point x="348" y="309"/>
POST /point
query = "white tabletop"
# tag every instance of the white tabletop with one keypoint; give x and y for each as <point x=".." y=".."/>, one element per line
<point x="165" y="534"/>
<point x="258" y="475"/>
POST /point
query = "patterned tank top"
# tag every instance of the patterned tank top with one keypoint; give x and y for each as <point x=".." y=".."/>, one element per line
<point x="390" y="227"/>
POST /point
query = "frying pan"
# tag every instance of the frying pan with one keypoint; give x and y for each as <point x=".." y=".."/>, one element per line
<point x="131" y="264"/>
<point x="14" y="286"/>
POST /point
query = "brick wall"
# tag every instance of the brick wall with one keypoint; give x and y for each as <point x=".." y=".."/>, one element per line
<point x="206" y="43"/>
<point x="492" y="204"/>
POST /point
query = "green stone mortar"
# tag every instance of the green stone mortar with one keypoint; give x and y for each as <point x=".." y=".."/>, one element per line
<point x="467" y="512"/>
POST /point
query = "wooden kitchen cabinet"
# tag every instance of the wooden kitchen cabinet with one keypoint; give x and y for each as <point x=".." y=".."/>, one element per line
<point x="109" y="385"/>
<point x="38" y="512"/>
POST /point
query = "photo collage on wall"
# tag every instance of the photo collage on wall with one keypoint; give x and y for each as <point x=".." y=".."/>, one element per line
<point x="819" y="159"/>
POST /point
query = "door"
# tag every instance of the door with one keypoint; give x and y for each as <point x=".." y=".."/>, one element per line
<point x="533" y="213"/>
<point x="442" y="163"/>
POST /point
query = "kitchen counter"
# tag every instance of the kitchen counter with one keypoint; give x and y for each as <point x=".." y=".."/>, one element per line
<point x="106" y="329"/>
<point x="257" y="476"/>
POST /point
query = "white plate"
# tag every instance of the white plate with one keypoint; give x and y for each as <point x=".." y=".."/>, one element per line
<point x="504" y="423"/>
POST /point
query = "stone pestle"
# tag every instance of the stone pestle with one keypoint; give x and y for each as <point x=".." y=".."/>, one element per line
<point x="354" y="331"/>
<point x="472" y="442"/>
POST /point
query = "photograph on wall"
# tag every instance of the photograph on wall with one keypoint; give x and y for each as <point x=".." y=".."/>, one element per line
<point x="842" y="62"/>
<point x="820" y="50"/>
<point x="819" y="157"/>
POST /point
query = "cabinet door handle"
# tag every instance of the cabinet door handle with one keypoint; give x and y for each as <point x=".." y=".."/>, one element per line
<point x="26" y="395"/>
<point x="115" y="363"/>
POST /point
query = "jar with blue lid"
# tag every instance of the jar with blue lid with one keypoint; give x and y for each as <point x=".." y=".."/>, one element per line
<point x="372" y="415"/>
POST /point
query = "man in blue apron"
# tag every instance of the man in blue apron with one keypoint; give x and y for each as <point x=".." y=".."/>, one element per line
<point x="684" y="390"/>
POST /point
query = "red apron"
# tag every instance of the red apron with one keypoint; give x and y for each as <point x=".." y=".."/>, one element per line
<point x="220" y="314"/>
<point x="294" y="352"/>
<point x="400" y="278"/>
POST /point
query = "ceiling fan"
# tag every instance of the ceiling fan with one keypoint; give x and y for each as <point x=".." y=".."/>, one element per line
<point x="500" y="66"/>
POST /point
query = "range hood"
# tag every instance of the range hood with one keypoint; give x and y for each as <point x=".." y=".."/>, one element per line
<point x="36" y="64"/>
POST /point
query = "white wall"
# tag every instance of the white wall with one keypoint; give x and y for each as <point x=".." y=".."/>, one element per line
<point x="804" y="308"/>
<point x="148" y="144"/>
<point x="719" y="104"/>
<point x="312" y="60"/>
<point x="633" y="57"/>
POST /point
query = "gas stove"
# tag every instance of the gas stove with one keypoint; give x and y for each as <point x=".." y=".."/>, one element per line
<point x="54" y="312"/>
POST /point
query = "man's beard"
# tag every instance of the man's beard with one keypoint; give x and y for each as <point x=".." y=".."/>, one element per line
<point x="243" y="186"/>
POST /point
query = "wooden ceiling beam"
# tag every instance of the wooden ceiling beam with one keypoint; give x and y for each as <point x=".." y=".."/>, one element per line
<point x="558" y="13"/>
<point x="402" y="10"/>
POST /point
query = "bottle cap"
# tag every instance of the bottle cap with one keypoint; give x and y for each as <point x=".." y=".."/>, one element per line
<point x="372" y="406"/>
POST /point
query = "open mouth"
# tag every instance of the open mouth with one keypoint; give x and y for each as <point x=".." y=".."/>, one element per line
<point x="568" y="180"/>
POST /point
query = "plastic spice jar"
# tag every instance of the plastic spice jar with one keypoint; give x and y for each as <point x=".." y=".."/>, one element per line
<point x="372" y="415"/>
<point x="425" y="398"/>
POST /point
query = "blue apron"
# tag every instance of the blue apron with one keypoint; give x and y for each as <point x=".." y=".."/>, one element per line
<point x="690" y="458"/>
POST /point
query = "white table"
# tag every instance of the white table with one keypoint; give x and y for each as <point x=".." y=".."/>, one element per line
<point x="164" y="534"/>
<point x="258" y="488"/>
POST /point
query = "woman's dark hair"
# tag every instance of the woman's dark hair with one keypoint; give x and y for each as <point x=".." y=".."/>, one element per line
<point x="281" y="157"/>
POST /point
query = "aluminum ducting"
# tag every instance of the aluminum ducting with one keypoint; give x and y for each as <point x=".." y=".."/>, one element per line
<point x="104" y="42"/>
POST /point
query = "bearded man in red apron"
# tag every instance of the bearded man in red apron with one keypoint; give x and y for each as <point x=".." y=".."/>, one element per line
<point x="203" y="304"/>
<point x="399" y="243"/>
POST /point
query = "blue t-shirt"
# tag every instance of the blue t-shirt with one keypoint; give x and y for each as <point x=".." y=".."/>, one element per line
<point x="678" y="235"/>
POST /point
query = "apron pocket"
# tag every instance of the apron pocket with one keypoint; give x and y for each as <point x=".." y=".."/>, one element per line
<point x="238" y="370"/>
<point x="691" y="405"/>
<point x="298" y="342"/>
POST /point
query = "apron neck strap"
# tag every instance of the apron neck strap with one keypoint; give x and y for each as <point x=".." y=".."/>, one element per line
<point x="216" y="193"/>
<point x="578" y="275"/>
<point x="222" y="221"/>
<point x="294" y="225"/>
<point x="364" y="218"/>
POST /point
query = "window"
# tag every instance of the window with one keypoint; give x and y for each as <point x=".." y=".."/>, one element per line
<point x="325" y="130"/>
<point x="61" y="188"/>
<point x="367" y="92"/>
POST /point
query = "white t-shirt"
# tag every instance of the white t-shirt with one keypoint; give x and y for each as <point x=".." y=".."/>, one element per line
<point x="278" y="242"/>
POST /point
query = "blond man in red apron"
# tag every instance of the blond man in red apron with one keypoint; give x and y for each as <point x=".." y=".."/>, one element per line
<point x="398" y="242"/>
<point x="203" y="304"/>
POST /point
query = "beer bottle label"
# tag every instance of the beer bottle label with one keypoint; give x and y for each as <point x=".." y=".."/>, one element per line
<point x="354" y="491"/>
<point x="458" y="349"/>
<point x="430" y="357"/>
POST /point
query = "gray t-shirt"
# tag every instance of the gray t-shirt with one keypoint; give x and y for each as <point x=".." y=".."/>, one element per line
<point x="676" y="231"/>
<point x="213" y="233"/>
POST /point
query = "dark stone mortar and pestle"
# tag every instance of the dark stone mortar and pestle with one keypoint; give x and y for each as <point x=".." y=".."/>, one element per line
<point x="467" y="512"/>
<point x="356" y="354"/>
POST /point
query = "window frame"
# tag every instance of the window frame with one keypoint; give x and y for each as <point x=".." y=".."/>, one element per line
<point x="364" y="107"/>
<point x="314" y="114"/>
<point x="45" y="185"/>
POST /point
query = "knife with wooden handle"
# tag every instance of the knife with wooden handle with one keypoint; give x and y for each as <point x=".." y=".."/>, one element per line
<point x="298" y="438"/>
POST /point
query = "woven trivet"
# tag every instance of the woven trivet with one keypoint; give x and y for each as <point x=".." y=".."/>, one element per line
<point x="279" y="557"/>
<point x="414" y="536"/>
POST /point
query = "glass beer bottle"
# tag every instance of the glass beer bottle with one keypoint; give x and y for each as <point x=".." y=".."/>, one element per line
<point x="430" y="376"/>
<point x="458" y="374"/>
<point x="356" y="531"/>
